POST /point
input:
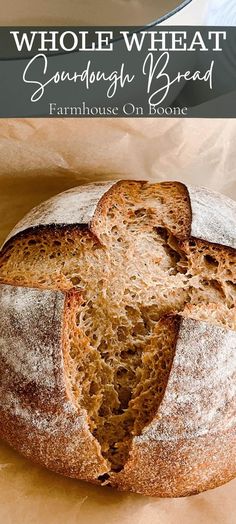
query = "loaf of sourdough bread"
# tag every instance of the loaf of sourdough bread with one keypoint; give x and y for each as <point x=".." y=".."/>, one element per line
<point x="118" y="336"/>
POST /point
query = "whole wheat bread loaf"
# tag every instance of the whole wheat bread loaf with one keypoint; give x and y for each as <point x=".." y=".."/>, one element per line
<point x="118" y="336"/>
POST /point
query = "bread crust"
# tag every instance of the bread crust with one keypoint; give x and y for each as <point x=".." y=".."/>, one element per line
<point x="37" y="413"/>
<point x="189" y="445"/>
<point x="74" y="207"/>
<point x="213" y="216"/>
<point x="46" y="426"/>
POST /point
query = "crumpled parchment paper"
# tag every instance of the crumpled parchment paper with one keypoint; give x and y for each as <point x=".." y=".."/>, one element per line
<point x="39" y="158"/>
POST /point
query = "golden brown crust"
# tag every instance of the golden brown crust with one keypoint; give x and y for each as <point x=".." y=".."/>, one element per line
<point x="38" y="416"/>
<point x="74" y="207"/>
<point x="179" y="469"/>
<point x="190" y="443"/>
<point x="213" y="216"/>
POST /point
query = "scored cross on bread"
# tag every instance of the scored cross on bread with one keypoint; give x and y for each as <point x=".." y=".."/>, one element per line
<point x="139" y="282"/>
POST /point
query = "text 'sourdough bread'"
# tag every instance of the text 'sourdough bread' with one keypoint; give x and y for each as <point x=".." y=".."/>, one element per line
<point x="118" y="336"/>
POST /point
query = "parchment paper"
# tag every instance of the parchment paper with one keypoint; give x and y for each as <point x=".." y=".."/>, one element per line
<point x="39" y="158"/>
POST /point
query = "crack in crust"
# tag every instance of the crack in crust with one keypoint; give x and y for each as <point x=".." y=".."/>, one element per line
<point x="138" y="272"/>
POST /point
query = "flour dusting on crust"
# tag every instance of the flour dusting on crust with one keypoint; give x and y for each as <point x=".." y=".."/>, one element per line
<point x="30" y="318"/>
<point x="75" y="206"/>
<point x="213" y="216"/>
<point x="197" y="400"/>
<point x="199" y="405"/>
